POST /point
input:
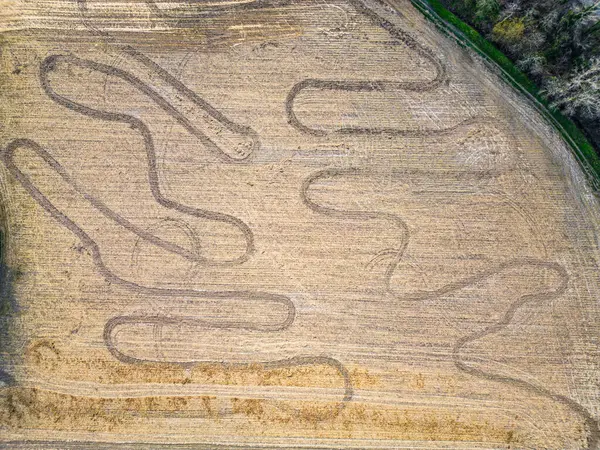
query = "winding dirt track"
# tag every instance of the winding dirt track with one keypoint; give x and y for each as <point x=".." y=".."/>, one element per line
<point x="238" y="152"/>
<point x="396" y="254"/>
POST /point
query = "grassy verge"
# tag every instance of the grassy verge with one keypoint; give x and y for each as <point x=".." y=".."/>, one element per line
<point x="467" y="36"/>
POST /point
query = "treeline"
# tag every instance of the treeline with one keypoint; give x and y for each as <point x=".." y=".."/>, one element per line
<point x="556" y="42"/>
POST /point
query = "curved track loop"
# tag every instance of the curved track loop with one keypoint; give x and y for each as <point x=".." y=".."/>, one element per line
<point x="50" y="63"/>
<point x="247" y="132"/>
<point x="373" y="85"/>
<point x="135" y="123"/>
<point x="396" y="255"/>
<point x="160" y="321"/>
<point x="364" y="86"/>
<point x="7" y="157"/>
<point x="242" y="130"/>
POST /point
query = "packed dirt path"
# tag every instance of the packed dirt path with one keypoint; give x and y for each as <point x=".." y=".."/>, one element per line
<point x="284" y="224"/>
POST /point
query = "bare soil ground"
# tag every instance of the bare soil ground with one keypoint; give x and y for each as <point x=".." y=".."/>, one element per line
<point x="284" y="223"/>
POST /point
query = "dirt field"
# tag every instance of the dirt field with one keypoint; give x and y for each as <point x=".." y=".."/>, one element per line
<point x="292" y="224"/>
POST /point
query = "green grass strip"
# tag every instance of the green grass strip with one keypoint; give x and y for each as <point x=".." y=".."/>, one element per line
<point x="467" y="36"/>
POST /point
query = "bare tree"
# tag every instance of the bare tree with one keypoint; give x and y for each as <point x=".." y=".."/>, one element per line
<point x="579" y="94"/>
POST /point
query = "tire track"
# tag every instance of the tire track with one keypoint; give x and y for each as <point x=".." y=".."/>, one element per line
<point x="383" y="85"/>
<point x="593" y="439"/>
<point x="252" y="140"/>
<point x="396" y="256"/>
<point x="395" y="253"/>
<point x="7" y="157"/>
<point x="184" y="91"/>
<point x="396" y="33"/>
<point x="47" y="66"/>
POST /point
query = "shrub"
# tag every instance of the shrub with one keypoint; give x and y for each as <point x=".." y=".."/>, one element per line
<point x="509" y="31"/>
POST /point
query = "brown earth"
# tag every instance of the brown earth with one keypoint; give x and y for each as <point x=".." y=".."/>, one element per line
<point x="284" y="223"/>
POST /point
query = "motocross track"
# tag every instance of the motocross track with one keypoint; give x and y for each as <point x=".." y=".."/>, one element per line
<point x="284" y="224"/>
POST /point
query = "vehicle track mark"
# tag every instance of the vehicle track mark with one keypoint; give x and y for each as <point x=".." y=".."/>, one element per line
<point x="396" y="256"/>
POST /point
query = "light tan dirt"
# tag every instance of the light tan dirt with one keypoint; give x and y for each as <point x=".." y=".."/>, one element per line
<point x="285" y="223"/>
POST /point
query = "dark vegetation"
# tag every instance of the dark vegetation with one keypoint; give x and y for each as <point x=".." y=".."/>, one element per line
<point x="555" y="42"/>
